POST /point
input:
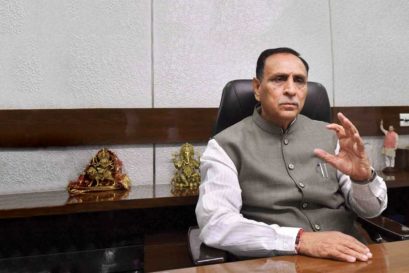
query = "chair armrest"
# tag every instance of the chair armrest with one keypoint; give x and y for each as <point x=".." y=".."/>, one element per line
<point x="202" y="254"/>
<point x="387" y="227"/>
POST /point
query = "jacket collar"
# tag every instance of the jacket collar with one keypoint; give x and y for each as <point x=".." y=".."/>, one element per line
<point x="270" y="127"/>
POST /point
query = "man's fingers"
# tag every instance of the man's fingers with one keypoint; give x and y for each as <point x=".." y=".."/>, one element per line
<point x="327" y="157"/>
<point x="342" y="257"/>
<point x="350" y="128"/>
<point x="360" y="144"/>
<point x="334" y="245"/>
<point x="355" y="244"/>
<point x="349" y="255"/>
<point x="338" y="129"/>
<point x="347" y="128"/>
<point x="322" y="154"/>
<point x="351" y="250"/>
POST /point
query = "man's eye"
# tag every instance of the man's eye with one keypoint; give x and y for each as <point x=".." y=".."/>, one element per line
<point x="279" y="79"/>
<point x="299" y="80"/>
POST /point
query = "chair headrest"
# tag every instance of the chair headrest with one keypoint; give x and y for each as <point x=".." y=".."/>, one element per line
<point x="238" y="102"/>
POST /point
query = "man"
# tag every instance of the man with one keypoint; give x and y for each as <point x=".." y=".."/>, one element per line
<point x="267" y="188"/>
<point x="390" y="144"/>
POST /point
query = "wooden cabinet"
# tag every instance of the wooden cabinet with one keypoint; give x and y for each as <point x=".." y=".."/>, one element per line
<point x="402" y="159"/>
<point x="144" y="230"/>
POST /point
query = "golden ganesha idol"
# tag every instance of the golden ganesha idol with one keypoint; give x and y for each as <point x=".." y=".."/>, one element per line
<point x="186" y="179"/>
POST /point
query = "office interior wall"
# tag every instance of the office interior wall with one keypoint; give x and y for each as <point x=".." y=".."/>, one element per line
<point x="48" y="169"/>
<point x="75" y="54"/>
<point x="371" y="41"/>
<point x="199" y="46"/>
<point x="179" y="53"/>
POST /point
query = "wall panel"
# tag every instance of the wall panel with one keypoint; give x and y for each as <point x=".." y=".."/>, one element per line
<point x="370" y="41"/>
<point x="201" y="45"/>
<point x="75" y="54"/>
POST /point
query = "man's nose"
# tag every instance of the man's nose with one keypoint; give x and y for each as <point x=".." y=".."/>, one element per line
<point x="289" y="87"/>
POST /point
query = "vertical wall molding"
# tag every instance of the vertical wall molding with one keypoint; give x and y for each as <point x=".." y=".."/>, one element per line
<point x="332" y="51"/>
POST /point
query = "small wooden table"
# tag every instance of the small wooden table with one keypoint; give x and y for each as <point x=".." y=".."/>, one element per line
<point x="388" y="257"/>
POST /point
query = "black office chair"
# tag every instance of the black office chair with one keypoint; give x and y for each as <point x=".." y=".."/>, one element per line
<point x="238" y="102"/>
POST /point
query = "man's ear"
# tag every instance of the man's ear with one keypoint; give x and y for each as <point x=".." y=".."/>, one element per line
<point x="256" y="88"/>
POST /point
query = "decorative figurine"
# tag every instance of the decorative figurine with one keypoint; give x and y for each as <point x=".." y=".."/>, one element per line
<point x="103" y="173"/>
<point x="186" y="179"/>
<point x="390" y="144"/>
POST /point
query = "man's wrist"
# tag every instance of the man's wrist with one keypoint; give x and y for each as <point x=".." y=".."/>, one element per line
<point x="369" y="180"/>
<point x="297" y="241"/>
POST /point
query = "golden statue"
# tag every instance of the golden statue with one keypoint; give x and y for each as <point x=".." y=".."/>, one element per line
<point x="186" y="179"/>
<point x="103" y="173"/>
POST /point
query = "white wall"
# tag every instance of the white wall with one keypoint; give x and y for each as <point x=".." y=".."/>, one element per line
<point x="371" y="41"/>
<point x="75" y="54"/>
<point x="180" y="53"/>
<point x="201" y="45"/>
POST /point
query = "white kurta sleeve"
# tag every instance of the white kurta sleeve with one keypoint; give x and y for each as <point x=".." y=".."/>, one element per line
<point x="367" y="200"/>
<point x="218" y="212"/>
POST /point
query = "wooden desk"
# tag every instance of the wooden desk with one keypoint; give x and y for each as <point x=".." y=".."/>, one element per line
<point x="398" y="191"/>
<point x="402" y="159"/>
<point x="388" y="257"/>
<point x="398" y="179"/>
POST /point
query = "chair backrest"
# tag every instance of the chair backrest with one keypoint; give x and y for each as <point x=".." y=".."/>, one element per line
<point x="238" y="102"/>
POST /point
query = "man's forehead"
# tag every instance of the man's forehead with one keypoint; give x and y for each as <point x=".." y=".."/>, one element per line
<point x="284" y="63"/>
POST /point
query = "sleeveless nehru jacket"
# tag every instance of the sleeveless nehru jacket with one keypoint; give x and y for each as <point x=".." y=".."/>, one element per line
<point x="282" y="181"/>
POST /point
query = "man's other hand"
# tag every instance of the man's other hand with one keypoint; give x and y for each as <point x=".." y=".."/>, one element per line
<point x="351" y="159"/>
<point x="333" y="245"/>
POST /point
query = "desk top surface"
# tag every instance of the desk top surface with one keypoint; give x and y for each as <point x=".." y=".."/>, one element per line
<point x="60" y="202"/>
<point x="388" y="257"/>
